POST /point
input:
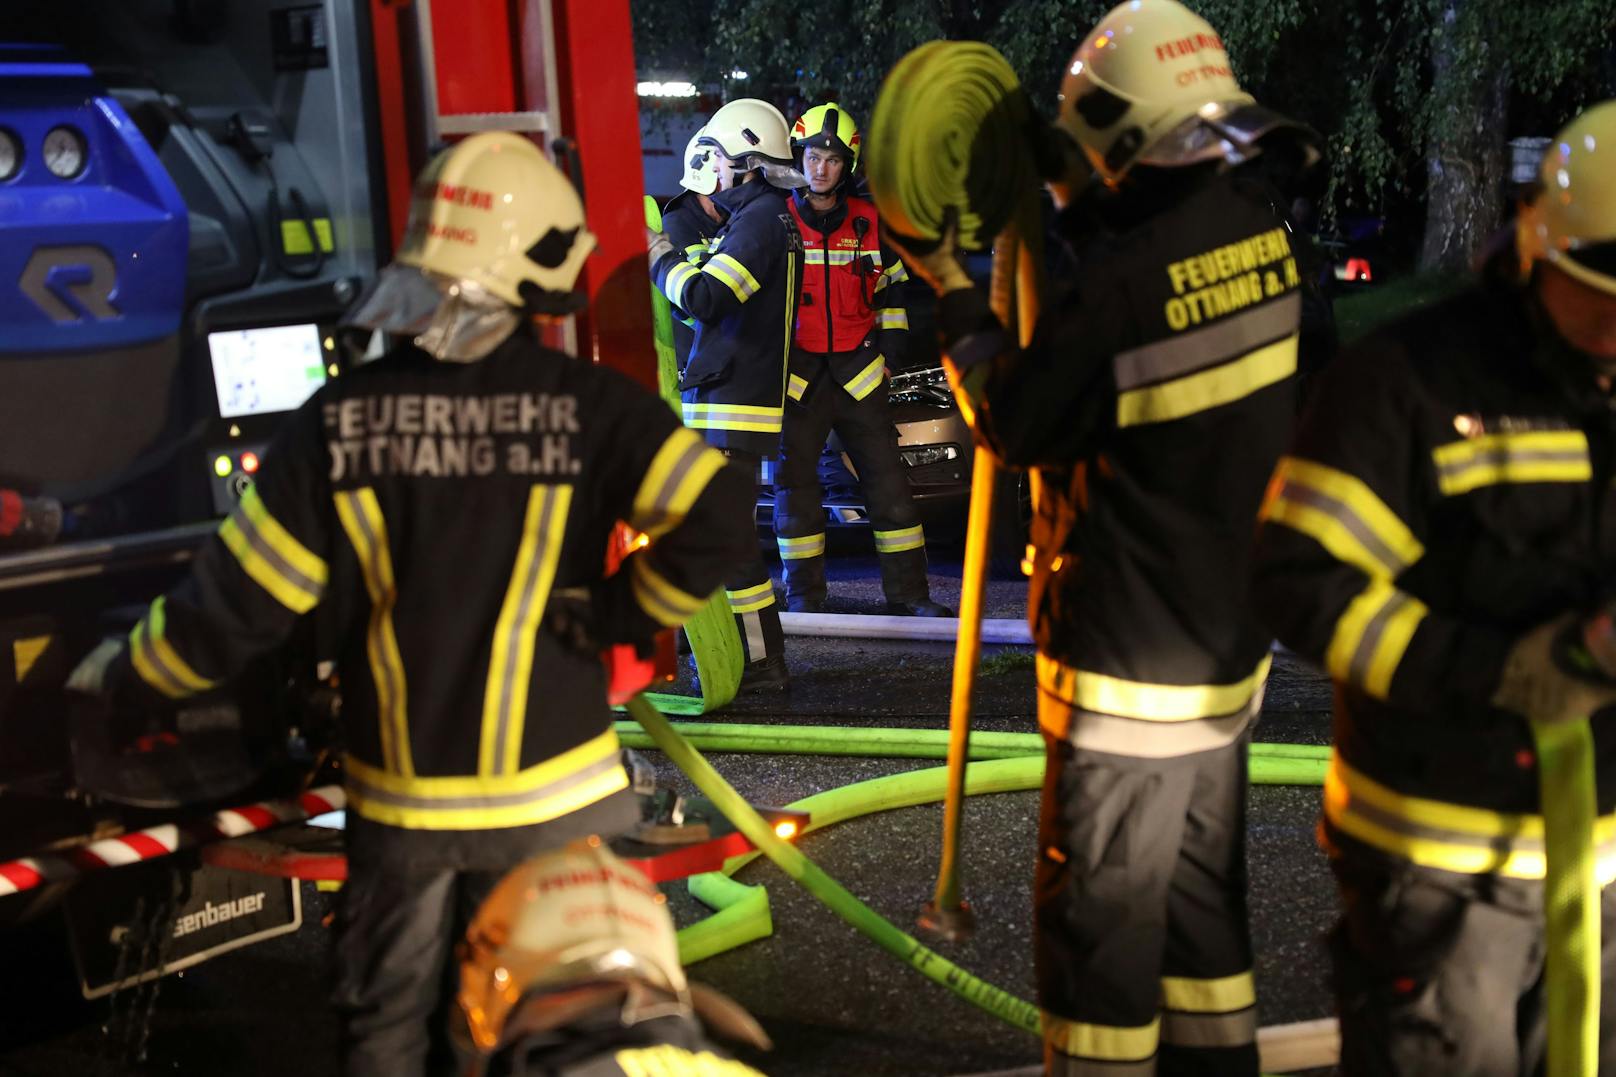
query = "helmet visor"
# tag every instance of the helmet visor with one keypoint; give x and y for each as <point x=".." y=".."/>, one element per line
<point x="454" y="320"/>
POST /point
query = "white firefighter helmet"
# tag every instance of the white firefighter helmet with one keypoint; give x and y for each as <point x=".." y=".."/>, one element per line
<point x="700" y="174"/>
<point x="1152" y="84"/>
<point x="494" y="229"/>
<point x="569" y="918"/>
<point x="754" y="135"/>
<point x="1571" y="221"/>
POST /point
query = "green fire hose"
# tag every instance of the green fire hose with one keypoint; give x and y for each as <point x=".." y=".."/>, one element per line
<point x="1565" y="754"/>
<point x="948" y="143"/>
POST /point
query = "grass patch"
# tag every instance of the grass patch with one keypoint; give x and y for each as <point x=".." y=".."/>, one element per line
<point x="1009" y="660"/>
<point x="1357" y="314"/>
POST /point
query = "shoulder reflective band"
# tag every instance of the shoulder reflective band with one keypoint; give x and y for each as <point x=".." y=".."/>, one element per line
<point x="904" y="538"/>
<point x="1207" y="389"/>
<point x="863" y="383"/>
<point x="662" y="601"/>
<point x="1538" y="456"/>
<point x="679" y="472"/>
<point x="510" y="664"/>
<point x="1571" y="901"/>
<point x="735" y="276"/>
<point x="576" y="778"/>
<point x="267" y="552"/>
<point x="156" y="660"/>
<point x="361" y="516"/>
<point x="1341" y="513"/>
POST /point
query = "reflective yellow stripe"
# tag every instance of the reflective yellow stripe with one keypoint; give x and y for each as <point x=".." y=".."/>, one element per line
<point x="864" y="382"/>
<point x="156" y="660"/>
<point x="896" y="275"/>
<point x="1536" y="456"/>
<point x="1372" y="635"/>
<point x="796" y="387"/>
<point x="679" y="472"/>
<point x="666" y="1060"/>
<point x="751" y="599"/>
<point x="892" y="319"/>
<point x="1224" y="994"/>
<point x="1451" y="837"/>
<point x="760" y="419"/>
<point x="1148" y="702"/>
<point x="662" y="601"/>
<point x="796" y="549"/>
<point x="510" y="663"/>
<point x="268" y="553"/>
<point x="694" y="251"/>
<point x="564" y="783"/>
<point x="905" y="538"/>
<point x="736" y="277"/>
<point x="1108" y="1042"/>
<point x="1342" y="514"/>
<point x="679" y="275"/>
<point x="789" y="309"/>
<point x="361" y="516"/>
<point x="1207" y="389"/>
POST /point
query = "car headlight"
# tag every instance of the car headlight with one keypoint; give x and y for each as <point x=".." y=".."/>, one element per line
<point x="929" y="454"/>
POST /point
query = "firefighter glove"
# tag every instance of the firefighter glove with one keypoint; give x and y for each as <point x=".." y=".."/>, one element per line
<point x="939" y="266"/>
<point x="1545" y="681"/>
<point x="657" y="245"/>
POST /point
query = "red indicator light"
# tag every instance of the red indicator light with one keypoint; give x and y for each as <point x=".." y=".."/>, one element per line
<point x="249" y="462"/>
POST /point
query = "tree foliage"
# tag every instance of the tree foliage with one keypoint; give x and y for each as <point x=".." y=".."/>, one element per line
<point x="1398" y="88"/>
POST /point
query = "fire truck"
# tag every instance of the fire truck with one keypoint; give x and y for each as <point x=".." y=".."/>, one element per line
<point x="192" y="192"/>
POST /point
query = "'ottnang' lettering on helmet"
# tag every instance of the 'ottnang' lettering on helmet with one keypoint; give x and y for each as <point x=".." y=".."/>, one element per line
<point x="462" y="195"/>
<point x="433" y="435"/>
<point x="452" y="233"/>
<point x="1188" y="46"/>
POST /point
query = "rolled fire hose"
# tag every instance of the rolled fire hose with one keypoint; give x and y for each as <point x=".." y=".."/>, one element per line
<point x="948" y="143"/>
<point x="1565" y="754"/>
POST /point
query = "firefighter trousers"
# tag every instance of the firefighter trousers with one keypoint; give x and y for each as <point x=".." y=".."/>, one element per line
<point x="396" y="930"/>
<point x="1436" y="972"/>
<point x="751" y="589"/>
<point x="866" y="430"/>
<point x="1143" y="950"/>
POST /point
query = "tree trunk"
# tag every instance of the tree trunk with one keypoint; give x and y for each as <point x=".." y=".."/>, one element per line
<point x="1466" y="156"/>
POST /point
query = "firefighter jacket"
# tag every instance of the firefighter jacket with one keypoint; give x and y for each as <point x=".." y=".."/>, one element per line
<point x="1449" y="490"/>
<point x="743" y="300"/>
<point x="690" y="229"/>
<point x="1153" y="402"/>
<point x="434" y="508"/>
<point x="850" y="316"/>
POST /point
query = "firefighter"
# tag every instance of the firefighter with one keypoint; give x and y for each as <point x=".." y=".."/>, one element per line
<point x="571" y="969"/>
<point x="1432" y="536"/>
<point x="691" y="220"/>
<point x="850" y="323"/>
<point x="743" y="300"/>
<point x="448" y="506"/>
<point x="1152" y="403"/>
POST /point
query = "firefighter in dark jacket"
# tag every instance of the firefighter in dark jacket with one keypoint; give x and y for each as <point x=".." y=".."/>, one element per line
<point x="1440" y="524"/>
<point x="743" y="299"/>
<point x="449" y="506"/>
<point x="1153" y="402"/>
<point x="690" y="220"/>
<point x="850" y="323"/>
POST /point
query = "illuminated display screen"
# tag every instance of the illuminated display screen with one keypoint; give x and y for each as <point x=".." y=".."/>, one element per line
<point x="258" y="371"/>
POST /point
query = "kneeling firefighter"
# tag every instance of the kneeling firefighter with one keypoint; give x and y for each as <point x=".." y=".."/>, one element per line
<point x="1438" y="539"/>
<point x="743" y="299"/>
<point x="571" y="969"/>
<point x="850" y="323"/>
<point x="448" y="506"/>
<point x="1155" y="397"/>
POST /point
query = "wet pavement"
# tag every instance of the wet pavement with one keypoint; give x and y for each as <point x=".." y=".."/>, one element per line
<point x="833" y="1002"/>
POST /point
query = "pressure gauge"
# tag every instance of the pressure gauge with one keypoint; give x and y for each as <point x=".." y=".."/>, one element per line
<point x="64" y="152"/>
<point x="10" y="155"/>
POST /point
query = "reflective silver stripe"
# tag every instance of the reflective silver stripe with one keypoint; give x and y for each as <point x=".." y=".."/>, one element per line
<point x="756" y="650"/>
<point x="1209" y="1029"/>
<point x="679" y="275"/>
<point x="309" y="588"/>
<point x="715" y="415"/>
<point x="896" y="275"/>
<point x="1343" y="514"/>
<point x="1140" y="739"/>
<point x="1208" y="346"/>
<point x="1453" y="469"/>
<point x="373" y="793"/>
<point x="865" y="381"/>
<point x="795" y="549"/>
<point x="892" y="318"/>
<point x="535" y="588"/>
<point x="1364" y="654"/>
<point x="796" y="387"/>
<point x="654" y="519"/>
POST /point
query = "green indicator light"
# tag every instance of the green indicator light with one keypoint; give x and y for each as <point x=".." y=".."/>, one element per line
<point x="222" y="467"/>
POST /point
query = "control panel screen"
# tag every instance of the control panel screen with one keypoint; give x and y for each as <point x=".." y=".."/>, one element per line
<point x="258" y="371"/>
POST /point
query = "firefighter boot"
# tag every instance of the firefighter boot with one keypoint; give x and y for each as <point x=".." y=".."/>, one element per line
<point x="903" y="576"/>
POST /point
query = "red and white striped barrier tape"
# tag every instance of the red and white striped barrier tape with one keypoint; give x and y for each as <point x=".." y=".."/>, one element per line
<point x="159" y="841"/>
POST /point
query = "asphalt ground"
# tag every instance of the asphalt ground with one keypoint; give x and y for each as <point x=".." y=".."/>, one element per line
<point x="833" y="1002"/>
